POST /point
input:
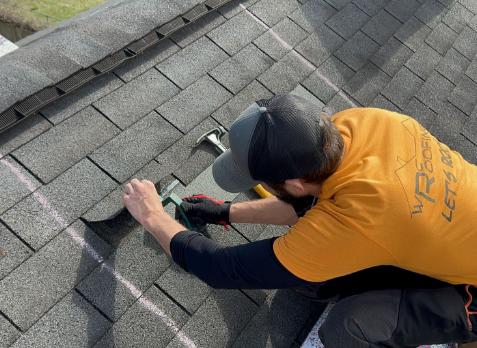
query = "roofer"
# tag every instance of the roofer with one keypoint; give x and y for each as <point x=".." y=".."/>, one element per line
<point x="394" y="223"/>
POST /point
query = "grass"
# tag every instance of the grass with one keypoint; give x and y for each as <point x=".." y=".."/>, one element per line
<point x="63" y="9"/>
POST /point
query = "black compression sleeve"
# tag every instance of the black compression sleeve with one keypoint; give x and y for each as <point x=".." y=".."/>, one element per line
<point x="249" y="266"/>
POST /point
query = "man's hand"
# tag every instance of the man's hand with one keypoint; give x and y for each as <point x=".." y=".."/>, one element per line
<point x="204" y="209"/>
<point x="143" y="202"/>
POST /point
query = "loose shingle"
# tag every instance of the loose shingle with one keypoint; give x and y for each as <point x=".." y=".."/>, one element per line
<point x="403" y="87"/>
<point x="273" y="11"/>
<point x="237" y="32"/>
<point x="54" y="206"/>
<point x="420" y="112"/>
<point x="402" y="9"/>
<point x="465" y="43"/>
<point x="312" y="15"/>
<point x="67" y="324"/>
<point x="53" y="152"/>
<point x="193" y="105"/>
<point x="320" y="45"/>
<point x="82" y="98"/>
<point x="328" y="79"/>
<point x="241" y="69"/>
<point x="348" y="21"/>
<point x="366" y="84"/>
<point x="289" y="35"/>
<point x="12" y="252"/>
<point x="13" y="186"/>
<point x="458" y="17"/>
<point x="381" y="27"/>
<point x="463" y="96"/>
<point x="283" y="76"/>
<point x="39" y="283"/>
<point x="453" y="65"/>
<point x="391" y="56"/>
<point x="413" y="33"/>
<point x="431" y="13"/>
<point x="357" y="51"/>
<point x="423" y="62"/>
<point x="434" y="92"/>
<point x="371" y="7"/>
<point x="136" y="99"/>
<point x="193" y="62"/>
<point x="442" y="38"/>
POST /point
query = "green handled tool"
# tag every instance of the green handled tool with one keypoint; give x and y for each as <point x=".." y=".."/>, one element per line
<point x="176" y="200"/>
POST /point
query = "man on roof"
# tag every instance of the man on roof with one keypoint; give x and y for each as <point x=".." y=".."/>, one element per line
<point x="392" y="236"/>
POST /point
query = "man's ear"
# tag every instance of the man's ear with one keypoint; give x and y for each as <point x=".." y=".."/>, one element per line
<point x="296" y="185"/>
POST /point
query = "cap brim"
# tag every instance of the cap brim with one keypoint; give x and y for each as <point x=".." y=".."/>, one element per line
<point x="228" y="177"/>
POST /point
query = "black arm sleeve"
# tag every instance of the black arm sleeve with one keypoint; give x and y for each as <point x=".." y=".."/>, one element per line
<point x="249" y="266"/>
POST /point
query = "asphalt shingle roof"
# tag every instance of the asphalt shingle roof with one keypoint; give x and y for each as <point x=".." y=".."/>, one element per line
<point x="67" y="279"/>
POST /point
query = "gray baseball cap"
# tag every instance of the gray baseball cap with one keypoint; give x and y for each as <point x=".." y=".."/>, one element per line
<point x="271" y="141"/>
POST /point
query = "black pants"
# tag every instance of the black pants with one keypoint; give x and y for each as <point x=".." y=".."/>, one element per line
<point x="389" y="307"/>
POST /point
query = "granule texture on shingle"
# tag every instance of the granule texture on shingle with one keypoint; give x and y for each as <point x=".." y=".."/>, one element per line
<point x="413" y="33"/>
<point x="8" y="333"/>
<point x="420" y="112"/>
<point x="348" y="21"/>
<point x="403" y="87"/>
<point x="320" y="45"/>
<point x="391" y="56"/>
<point x="312" y="15"/>
<point x="357" y="51"/>
<point x="12" y="252"/>
<point x="381" y="27"/>
<point x="273" y="11"/>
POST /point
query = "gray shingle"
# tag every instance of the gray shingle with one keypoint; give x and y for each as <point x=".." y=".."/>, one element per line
<point x="305" y="94"/>
<point x="320" y="45"/>
<point x="371" y="7"/>
<point x="237" y="32"/>
<point x="431" y="13"/>
<point x="140" y="327"/>
<point x="465" y="147"/>
<point x="381" y="102"/>
<point x="82" y="98"/>
<point x="234" y="7"/>
<point x="241" y="69"/>
<point x="465" y="43"/>
<point x="312" y="15"/>
<point x="348" y="21"/>
<point x="54" y="206"/>
<point x="381" y="27"/>
<point x="448" y="125"/>
<point x="470" y="4"/>
<point x="18" y="82"/>
<point x="147" y="60"/>
<point x="328" y="79"/>
<point x="136" y="99"/>
<point x="338" y="4"/>
<point x="195" y="30"/>
<point x="40" y="282"/>
<point x="423" y="62"/>
<point x="12" y="186"/>
<point x="472" y="70"/>
<point x="420" y="112"/>
<point x="140" y="260"/>
<point x="283" y="76"/>
<point x="187" y="161"/>
<point x="453" y="65"/>
<point x="286" y="30"/>
<point x="273" y="11"/>
<point x="391" y="56"/>
<point x="227" y="311"/>
<point x="8" y="333"/>
<point x="463" y="96"/>
<point x="136" y="146"/>
<point x="340" y="102"/>
<point x="366" y="84"/>
<point x="357" y="51"/>
<point x="442" y="38"/>
<point x="458" y="17"/>
<point x="229" y="112"/>
<point x="403" y="87"/>
<point x="67" y="324"/>
<point x="12" y="253"/>
<point x="193" y="62"/>
<point x="193" y="105"/>
<point x="53" y="152"/>
<point x="413" y="33"/>
<point x="434" y="92"/>
<point x="447" y="3"/>
<point x="402" y="9"/>
<point x="470" y="131"/>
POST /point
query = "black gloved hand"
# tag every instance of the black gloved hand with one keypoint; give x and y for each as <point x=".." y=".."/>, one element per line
<point x="204" y="209"/>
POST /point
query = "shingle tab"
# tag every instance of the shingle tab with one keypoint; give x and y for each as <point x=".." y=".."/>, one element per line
<point x="234" y="7"/>
<point x="193" y="62"/>
<point x="56" y="205"/>
<point x="141" y="327"/>
<point x="381" y="102"/>
<point x="236" y="33"/>
<point x="241" y="69"/>
<point x="283" y="76"/>
<point x="465" y="43"/>
<point x="470" y="4"/>
<point x="371" y="7"/>
<point x="12" y="186"/>
<point x="68" y="321"/>
<point x="320" y="45"/>
<point x="136" y="99"/>
<point x="348" y="21"/>
<point x="463" y="96"/>
<point x="470" y="132"/>
<point x="442" y="38"/>
<point x="338" y="4"/>
<point x="413" y="33"/>
<point x="82" y="98"/>
<point x="32" y="289"/>
<point x="403" y="87"/>
<point x="286" y="30"/>
<point x="391" y="56"/>
<point x="431" y="13"/>
<point x="194" y="104"/>
<point x="140" y="260"/>
<point x="422" y="113"/>
<point x="273" y="11"/>
<point x="8" y="333"/>
<point x="53" y="152"/>
<point x="136" y="146"/>
<point x="402" y="9"/>
<point x="381" y="27"/>
<point x="458" y="17"/>
<point x="423" y="62"/>
<point x="448" y="124"/>
<point x="453" y="65"/>
<point x="340" y="102"/>
<point x="435" y="90"/>
<point x="356" y="52"/>
<point x="312" y="15"/>
<point x="12" y="252"/>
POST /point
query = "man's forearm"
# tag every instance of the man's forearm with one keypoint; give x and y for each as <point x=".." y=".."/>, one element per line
<point x="263" y="211"/>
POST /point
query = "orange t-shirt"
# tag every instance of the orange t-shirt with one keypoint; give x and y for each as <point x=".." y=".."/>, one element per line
<point x="399" y="197"/>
